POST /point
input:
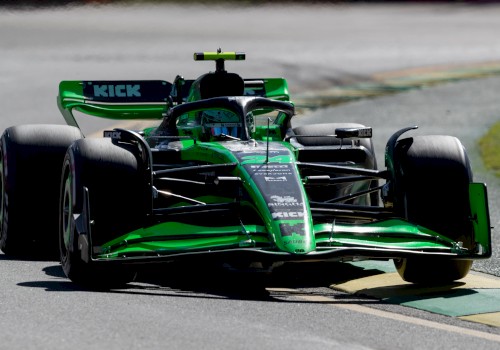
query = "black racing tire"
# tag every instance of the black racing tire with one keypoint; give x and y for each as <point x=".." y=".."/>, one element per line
<point x="434" y="176"/>
<point x="30" y="166"/>
<point x="116" y="189"/>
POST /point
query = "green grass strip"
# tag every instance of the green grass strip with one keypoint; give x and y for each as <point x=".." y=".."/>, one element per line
<point x="489" y="146"/>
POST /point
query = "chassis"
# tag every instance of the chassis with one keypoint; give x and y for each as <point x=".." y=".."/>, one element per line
<point x="249" y="191"/>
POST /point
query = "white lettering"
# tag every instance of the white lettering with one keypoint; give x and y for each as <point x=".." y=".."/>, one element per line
<point x="275" y="179"/>
<point x="284" y="199"/>
<point x="287" y="214"/>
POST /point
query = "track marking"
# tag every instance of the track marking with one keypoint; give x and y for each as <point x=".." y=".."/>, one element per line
<point x="474" y="298"/>
<point x="403" y="318"/>
<point x="491" y="318"/>
<point x="386" y="285"/>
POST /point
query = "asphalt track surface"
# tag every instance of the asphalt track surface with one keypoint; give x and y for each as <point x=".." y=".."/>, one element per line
<point x="314" y="48"/>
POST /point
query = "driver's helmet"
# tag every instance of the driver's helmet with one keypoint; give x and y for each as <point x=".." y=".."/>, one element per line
<point x="216" y="122"/>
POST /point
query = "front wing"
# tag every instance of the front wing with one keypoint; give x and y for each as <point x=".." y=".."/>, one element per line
<point x="391" y="238"/>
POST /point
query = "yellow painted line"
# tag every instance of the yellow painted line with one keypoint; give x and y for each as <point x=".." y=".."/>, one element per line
<point x="491" y="318"/>
<point x="390" y="315"/>
<point x="402" y="318"/>
<point x="389" y="284"/>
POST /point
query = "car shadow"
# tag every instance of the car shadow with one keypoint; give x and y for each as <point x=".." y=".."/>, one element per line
<point x="210" y="282"/>
<point x="182" y="280"/>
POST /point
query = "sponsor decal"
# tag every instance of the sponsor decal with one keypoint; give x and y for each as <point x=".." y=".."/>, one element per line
<point x="120" y="90"/>
<point x="116" y="135"/>
<point x="288" y="215"/>
<point x="270" y="171"/>
<point x="275" y="179"/>
<point x="269" y="167"/>
<point x="283" y="200"/>
<point x="367" y="132"/>
<point x="280" y="185"/>
<point x="283" y="203"/>
<point x="290" y="229"/>
<point x="256" y="149"/>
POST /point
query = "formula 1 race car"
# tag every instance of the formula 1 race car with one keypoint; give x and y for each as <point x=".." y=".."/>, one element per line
<point x="225" y="177"/>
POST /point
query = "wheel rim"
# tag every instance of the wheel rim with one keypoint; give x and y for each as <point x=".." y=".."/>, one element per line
<point x="66" y="219"/>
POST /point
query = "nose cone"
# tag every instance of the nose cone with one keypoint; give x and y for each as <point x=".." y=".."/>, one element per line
<point x="296" y="237"/>
<point x="275" y="184"/>
<point x="286" y="202"/>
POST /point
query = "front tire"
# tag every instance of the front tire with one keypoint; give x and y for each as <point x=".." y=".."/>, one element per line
<point x="116" y="193"/>
<point x="434" y="179"/>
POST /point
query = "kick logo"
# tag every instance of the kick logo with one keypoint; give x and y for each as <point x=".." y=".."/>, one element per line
<point x="288" y="215"/>
<point x="122" y="90"/>
<point x="116" y="135"/>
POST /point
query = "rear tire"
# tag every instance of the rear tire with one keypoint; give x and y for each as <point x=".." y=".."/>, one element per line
<point x="30" y="167"/>
<point x="113" y="177"/>
<point x="434" y="177"/>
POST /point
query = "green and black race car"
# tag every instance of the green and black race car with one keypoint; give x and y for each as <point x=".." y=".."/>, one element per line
<point x="225" y="177"/>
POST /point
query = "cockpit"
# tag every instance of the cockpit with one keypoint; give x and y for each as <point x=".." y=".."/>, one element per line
<point x="216" y="123"/>
<point x="228" y="118"/>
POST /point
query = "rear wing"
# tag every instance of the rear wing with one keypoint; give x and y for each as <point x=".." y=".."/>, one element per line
<point x="144" y="99"/>
<point x="127" y="99"/>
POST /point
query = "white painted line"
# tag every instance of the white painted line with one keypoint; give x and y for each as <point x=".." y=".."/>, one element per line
<point x="403" y="318"/>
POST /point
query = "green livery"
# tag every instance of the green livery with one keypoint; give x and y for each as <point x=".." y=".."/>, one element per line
<point x="226" y="177"/>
